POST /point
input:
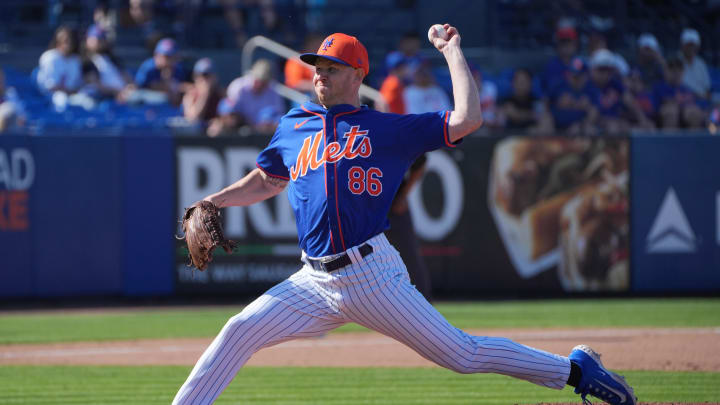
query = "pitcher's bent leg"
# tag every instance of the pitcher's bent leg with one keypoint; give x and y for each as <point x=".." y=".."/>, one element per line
<point x="289" y="310"/>
<point x="398" y="310"/>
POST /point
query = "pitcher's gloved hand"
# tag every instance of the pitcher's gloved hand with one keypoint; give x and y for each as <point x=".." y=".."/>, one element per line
<point x="203" y="233"/>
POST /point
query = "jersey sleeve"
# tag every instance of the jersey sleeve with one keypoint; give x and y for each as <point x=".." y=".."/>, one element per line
<point x="142" y="76"/>
<point x="421" y="133"/>
<point x="74" y="74"/>
<point x="270" y="159"/>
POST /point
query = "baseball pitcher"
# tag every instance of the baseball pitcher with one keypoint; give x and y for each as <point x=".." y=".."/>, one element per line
<point x="342" y="164"/>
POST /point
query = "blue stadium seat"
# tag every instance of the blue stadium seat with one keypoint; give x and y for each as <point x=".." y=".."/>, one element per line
<point x="714" y="78"/>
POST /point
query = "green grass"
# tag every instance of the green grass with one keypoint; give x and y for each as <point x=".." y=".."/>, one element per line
<point x="206" y="322"/>
<point x="287" y="385"/>
<point x="292" y="385"/>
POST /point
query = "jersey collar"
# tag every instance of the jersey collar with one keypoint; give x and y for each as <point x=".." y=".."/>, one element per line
<point x="340" y="108"/>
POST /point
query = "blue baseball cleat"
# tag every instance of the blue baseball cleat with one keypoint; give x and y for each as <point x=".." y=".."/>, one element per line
<point x="598" y="381"/>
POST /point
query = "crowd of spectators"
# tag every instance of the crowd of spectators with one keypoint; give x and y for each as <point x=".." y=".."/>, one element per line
<point x="75" y="74"/>
<point x="578" y="91"/>
<point x="80" y="70"/>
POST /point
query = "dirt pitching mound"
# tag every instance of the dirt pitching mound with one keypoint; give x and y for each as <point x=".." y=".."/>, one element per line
<point x="671" y="349"/>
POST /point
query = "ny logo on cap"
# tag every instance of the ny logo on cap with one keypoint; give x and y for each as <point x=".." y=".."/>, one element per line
<point x="328" y="43"/>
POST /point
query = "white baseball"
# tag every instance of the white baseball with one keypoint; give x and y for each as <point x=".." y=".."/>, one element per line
<point x="440" y="32"/>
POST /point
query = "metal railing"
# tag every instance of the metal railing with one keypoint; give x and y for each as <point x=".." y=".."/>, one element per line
<point x="283" y="51"/>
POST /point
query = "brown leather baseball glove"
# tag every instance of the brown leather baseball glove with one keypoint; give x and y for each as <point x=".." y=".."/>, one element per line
<point x="203" y="233"/>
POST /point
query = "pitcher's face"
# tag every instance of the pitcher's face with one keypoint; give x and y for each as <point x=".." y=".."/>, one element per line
<point x="335" y="83"/>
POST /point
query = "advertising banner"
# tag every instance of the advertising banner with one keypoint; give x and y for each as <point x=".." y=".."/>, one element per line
<point x="676" y="213"/>
<point x="60" y="222"/>
<point x="492" y="216"/>
<point x="540" y="215"/>
<point x="562" y="203"/>
<point x="17" y="182"/>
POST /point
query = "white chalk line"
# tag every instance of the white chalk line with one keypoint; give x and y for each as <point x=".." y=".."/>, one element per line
<point x="140" y="349"/>
<point x="135" y="347"/>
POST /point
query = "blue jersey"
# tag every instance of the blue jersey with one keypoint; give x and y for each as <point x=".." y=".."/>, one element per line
<point x="609" y="99"/>
<point x="681" y="94"/>
<point x="569" y="105"/>
<point x="148" y="73"/>
<point x="556" y="72"/>
<point x="344" y="166"/>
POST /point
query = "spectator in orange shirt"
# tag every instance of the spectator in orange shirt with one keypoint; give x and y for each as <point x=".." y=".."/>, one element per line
<point x="298" y="74"/>
<point x="392" y="88"/>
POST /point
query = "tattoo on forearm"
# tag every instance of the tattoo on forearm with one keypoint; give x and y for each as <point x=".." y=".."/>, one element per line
<point x="275" y="182"/>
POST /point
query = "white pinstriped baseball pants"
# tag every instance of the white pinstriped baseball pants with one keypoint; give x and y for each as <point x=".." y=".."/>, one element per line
<point x="374" y="292"/>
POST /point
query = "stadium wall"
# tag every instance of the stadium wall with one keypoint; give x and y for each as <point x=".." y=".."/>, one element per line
<point x="96" y="216"/>
<point x="676" y="213"/>
<point x="85" y="216"/>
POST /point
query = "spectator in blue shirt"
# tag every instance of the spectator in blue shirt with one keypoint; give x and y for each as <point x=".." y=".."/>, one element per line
<point x="642" y="94"/>
<point x="678" y="106"/>
<point x="252" y="105"/>
<point x="650" y="62"/>
<point x="163" y="72"/>
<point x="571" y="101"/>
<point x="615" y="105"/>
<point x="566" y="46"/>
<point x="606" y="85"/>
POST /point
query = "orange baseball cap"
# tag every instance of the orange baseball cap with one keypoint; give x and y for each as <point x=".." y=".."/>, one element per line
<point x="341" y="48"/>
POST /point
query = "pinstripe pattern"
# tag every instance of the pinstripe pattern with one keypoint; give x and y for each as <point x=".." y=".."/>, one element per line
<point x="376" y="293"/>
